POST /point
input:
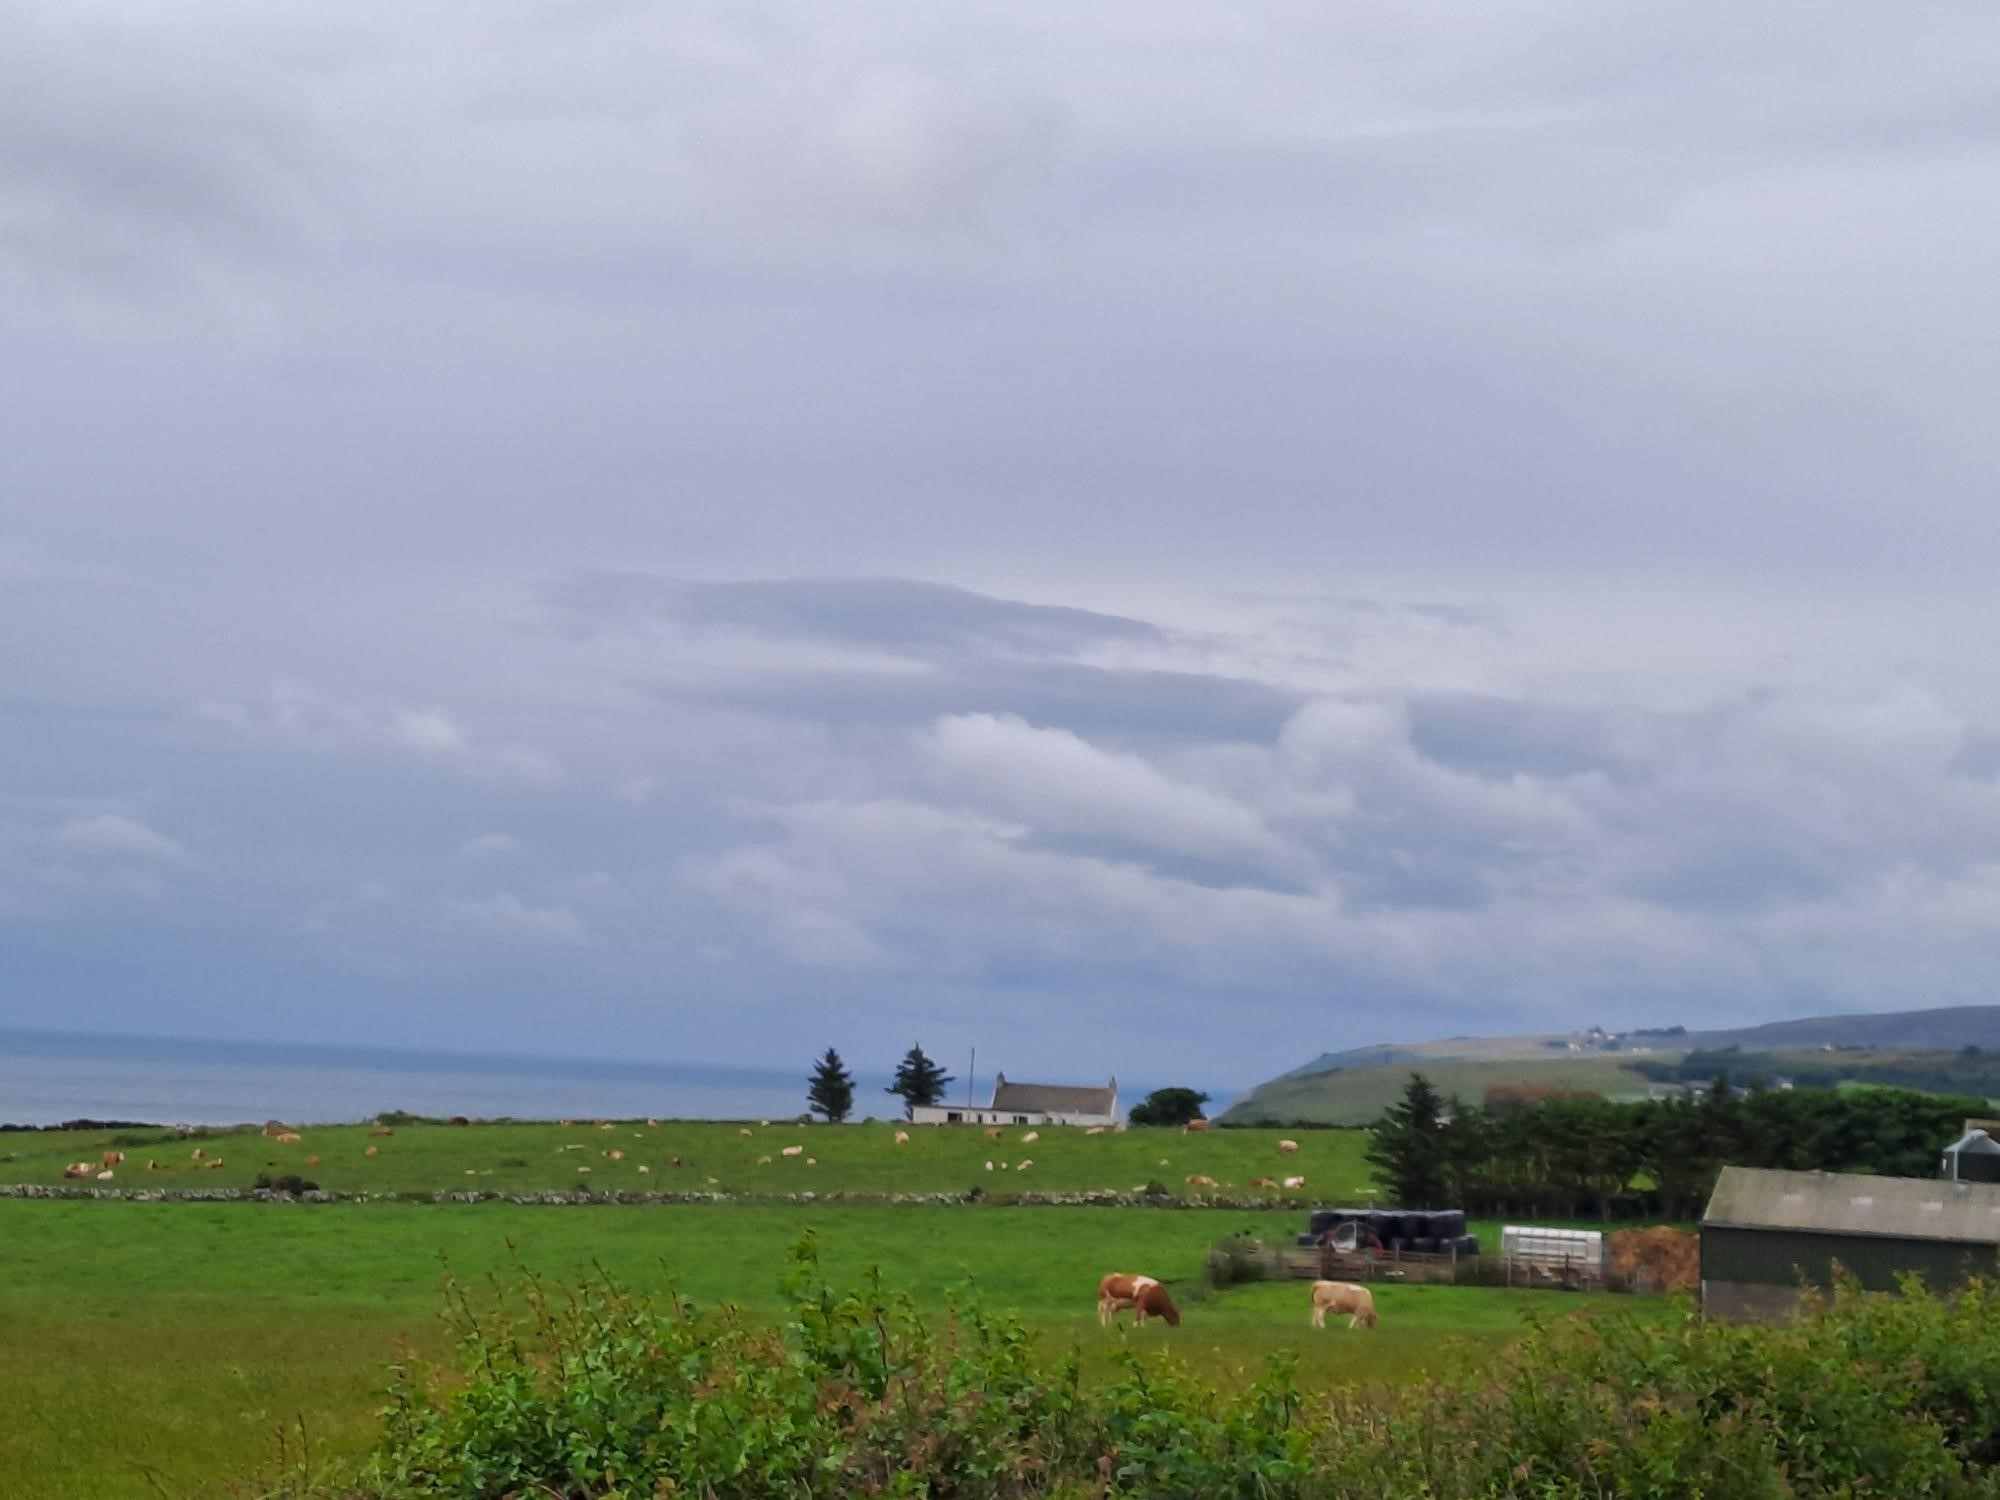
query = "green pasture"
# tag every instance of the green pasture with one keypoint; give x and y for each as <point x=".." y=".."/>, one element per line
<point x="710" y="1157"/>
<point x="159" y="1348"/>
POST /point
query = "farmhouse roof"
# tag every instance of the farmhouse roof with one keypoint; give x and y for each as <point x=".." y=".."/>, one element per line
<point x="1851" y="1203"/>
<point x="1053" y="1098"/>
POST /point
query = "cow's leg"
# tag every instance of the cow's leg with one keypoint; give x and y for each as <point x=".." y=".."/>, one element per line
<point x="1103" y="1312"/>
<point x="1319" y="1316"/>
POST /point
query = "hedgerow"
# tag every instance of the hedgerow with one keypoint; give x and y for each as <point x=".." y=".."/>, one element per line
<point x="600" y="1393"/>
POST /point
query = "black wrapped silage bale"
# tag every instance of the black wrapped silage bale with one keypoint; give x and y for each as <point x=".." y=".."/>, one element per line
<point x="1425" y="1244"/>
<point x="1448" y="1224"/>
<point x="1325" y="1219"/>
<point x="1468" y="1244"/>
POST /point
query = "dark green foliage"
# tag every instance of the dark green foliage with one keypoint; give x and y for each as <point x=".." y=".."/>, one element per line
<point x="1578" y="1157"/>
<point x="1169" y="1107"/>
<point x="1410" y="1150"/>
<point x="830" y="1091"/>
<point x="602" y="1394"/>
<point x="918" y="1080"/>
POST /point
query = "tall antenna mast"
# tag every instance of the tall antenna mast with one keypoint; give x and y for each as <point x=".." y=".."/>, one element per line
<point x="971" y="1072"/>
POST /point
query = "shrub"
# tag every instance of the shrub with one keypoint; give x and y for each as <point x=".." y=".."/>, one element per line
<point x="1234" y="1261"/>
<point x="600" y="1394"/>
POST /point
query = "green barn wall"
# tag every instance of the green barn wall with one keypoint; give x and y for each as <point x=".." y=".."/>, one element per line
<point x="1775" y="1257"/>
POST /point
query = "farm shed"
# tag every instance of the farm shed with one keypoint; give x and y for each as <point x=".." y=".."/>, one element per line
<point x="1766" y="1231"/>
<point x="1973" y="1157"/>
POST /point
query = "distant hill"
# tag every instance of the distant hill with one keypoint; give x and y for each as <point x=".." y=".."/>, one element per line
<point x="1937" y="1049"/>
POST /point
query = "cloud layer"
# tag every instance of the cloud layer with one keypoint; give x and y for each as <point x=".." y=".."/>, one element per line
<point x="627" y="528"/>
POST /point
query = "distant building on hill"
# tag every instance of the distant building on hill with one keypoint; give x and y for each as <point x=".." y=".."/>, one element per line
<point x="1767" y="1232"/>
<point x="1029" y="1104"/>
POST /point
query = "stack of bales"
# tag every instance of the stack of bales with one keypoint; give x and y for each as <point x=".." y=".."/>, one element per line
<point x="1658" y="1259"/>
<point x="1437" y="1231"/>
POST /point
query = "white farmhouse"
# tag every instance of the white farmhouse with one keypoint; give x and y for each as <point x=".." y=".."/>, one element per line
<point x="1029" y="1104"/>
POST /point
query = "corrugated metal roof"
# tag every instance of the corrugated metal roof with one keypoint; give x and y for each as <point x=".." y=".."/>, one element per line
<point x="1910" y="1208"/>
<point x="1976" y="1143"/>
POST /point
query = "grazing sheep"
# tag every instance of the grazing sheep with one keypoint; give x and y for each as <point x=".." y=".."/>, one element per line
<point x="1288" y="1148"/>
<point x="583" y="1171"/>
<point x="1200" y="1180"/>
<point x="1022" y="1166"/>
<point x="989" y="1166"/>
<point x="1342" y="1297"/>
<point x="1095" y="1130"/>
<point x="793" y="1151"/>
<point x="902" y="1137"/>
<point x="812" y="1161"/>
<point x="199" y="1153"/>
<point x="744" y="1131"/>
<point x="616" y="1155"/>
<point x="215" y="1164"/>
<point x="655" y="1124"/>
<point x="373" y="1151"/>
<point x="644" y="1168"/>
<point x="153" y="1165"/>
<point x="1295" y="1182"/>
<point x="1031" y="1137"/>
<point x="106" y="1175"/>
<point x="286" y="1138"/>
<point x="763" y="1161"/>
<point x="79" y="1169"/>
<point x="674" y="1161"/>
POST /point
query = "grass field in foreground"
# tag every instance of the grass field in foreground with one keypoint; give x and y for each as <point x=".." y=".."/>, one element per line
<point x="150" y="1348"/>
<point x="538" y="1157"/>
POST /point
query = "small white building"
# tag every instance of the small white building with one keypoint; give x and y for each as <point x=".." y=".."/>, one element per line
<point x="1029" y="1104"/>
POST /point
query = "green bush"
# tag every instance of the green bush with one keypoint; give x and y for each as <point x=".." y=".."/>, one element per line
<point x="602" y="1394"/>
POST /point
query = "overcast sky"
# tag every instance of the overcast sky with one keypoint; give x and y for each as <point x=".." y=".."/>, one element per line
<point x="1149" y="538"/>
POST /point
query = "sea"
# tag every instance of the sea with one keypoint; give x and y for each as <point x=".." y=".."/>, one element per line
<point x="49" y="1077"/>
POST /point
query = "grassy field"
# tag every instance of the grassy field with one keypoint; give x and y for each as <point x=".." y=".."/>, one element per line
<point x="150" y="1348"/>
<point x="712" y="1157"/>
<point x="1358" y="1096"/>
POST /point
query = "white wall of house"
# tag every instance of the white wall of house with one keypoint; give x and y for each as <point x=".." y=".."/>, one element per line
<point x="942" y="1114"/>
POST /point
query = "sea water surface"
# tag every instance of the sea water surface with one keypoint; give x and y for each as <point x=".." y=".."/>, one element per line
<point x="49" y="1077"/>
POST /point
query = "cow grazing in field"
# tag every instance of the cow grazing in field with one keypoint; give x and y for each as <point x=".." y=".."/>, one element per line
<point x="992" y="1132"/>
<point x="744" y="1131"/>
<point x="199" y="1153"/>
<point x="583" y="1171"/>
<point x="312" y="1161"/>
<point x="383" y="1130"/>
<point x="763" y="1161"/>
<point x="1143" y="1294"/>
<point x="1200" y="1180"/>
<point x="111" y="1158"/>
<point x="1263" y="1182"/>
<point x="215" y="1164"/>
<point x="1339" y="1297"/>
<point x="1288" y="1148"/>
<point x="812" y="1161"/>
<point x="1030" y="1137"/>
<point x="644" y="1168"/>
<point x="674" y="1161"/>
<point x="793" y="1151"/>
<point x="1295" y="1182"/>
<point x="902" y="1137"/>
<point x="373" y="1151"/>
<point x="1194" y="1127"/>
<point x="80" y="1169"/>
<point x="153" y="1164"/>
<point x="654" y="1124"/>
<point x="615" y="1155"/>
<point x="1095" y="1130"/>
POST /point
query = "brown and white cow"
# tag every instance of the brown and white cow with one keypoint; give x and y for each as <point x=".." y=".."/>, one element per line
<point x="1338" y="1297"/>
<point x="1194" y="1127"/>
<point x="1143" y="1294"/>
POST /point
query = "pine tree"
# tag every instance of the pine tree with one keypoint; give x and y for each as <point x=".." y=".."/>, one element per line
<point x="919" y="1081"/>
<point x="830" y="1090"/>
<point x="1408" y="1152"/>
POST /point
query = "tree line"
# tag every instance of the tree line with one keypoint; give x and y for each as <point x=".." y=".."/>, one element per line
<point x="1575" y="1157"/>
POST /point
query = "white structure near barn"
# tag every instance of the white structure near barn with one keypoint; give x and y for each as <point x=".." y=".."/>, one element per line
<point x="1029" y="1104"/>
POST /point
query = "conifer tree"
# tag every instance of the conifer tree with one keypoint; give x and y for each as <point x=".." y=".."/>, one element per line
<point x="830" y="1090"/>
<point x="919" y="1081"/>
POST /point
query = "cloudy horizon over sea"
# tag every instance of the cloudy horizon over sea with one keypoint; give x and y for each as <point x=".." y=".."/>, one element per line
<point x="48" y="1077"/>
